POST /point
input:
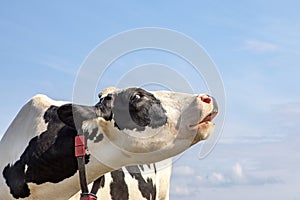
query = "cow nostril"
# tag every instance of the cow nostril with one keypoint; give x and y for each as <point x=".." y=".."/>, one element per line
<point x="205" y="99"/>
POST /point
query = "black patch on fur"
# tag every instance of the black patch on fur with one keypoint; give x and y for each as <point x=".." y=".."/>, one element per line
<point x="15" y="179"/>
<point x="135" y="108"/>
<point x="93" y="135"/>
<point x="49" y="157"/>
<point x="118" y="187"/>
<point x="104" y="107"/>
<point x="73" y="115"/>
<point x="142" y="167"/>
<point x="51" y="114"/>
<point x="99" y="138"/>
<point x="102" y="181"/>
<point x="154" y="166"/>
<point x="146" y="187"/>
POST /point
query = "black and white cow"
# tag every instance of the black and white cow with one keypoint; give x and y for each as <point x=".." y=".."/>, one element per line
<point x="127" y="127"/>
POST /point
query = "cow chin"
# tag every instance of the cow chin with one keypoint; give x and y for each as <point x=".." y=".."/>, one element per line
<point x="203" y="131"/>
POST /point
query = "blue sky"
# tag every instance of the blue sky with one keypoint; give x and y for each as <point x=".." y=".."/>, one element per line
<point x="255" y="45"/>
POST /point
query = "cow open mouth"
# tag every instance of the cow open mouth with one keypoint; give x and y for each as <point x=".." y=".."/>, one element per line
<point x="206" y="120"/>
<point x="203" y="128"/>
<point x="209" y="117"/>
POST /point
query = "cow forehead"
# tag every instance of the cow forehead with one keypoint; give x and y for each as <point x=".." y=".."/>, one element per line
<point x="174" y="98"/>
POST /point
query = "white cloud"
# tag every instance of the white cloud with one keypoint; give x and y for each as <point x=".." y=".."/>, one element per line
<point x="217" y="178"/>
<point x="260" y="46"/>
<point x="252" y="139"/>
<point x="236" y="176"/>
<point x="183" y="170"/>
<point x="288" y="110"/>
<point x="181" y="190"/>
<point x="237" y="170"/>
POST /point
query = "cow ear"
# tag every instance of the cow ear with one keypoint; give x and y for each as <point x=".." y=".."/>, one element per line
<point x="72" y="114"/>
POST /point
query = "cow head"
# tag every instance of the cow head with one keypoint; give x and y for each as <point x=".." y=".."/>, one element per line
<point x="138" y="123"/>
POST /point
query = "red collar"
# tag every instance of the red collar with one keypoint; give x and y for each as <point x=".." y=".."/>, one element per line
<point x="80" y="152"/>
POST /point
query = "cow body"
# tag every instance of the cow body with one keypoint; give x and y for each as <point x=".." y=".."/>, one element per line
<point x="140" y="182"/>
<point x="127" y="127"/>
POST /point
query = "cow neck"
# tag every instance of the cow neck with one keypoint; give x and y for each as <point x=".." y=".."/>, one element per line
<point x="80" y="152"/>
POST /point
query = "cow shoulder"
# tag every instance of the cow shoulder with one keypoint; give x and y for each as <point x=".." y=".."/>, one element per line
<point x="49" y="155"/>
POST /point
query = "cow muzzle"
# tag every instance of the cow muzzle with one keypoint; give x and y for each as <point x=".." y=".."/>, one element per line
<point x="204" y="126"/>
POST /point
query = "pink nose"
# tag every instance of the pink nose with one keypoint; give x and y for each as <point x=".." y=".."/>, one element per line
<point x="205" y="98"/>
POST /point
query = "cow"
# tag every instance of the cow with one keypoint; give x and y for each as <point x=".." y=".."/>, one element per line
<point x="126" y="127"/>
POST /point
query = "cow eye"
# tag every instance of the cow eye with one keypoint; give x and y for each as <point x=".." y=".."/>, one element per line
<point x="136" y="97"/>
